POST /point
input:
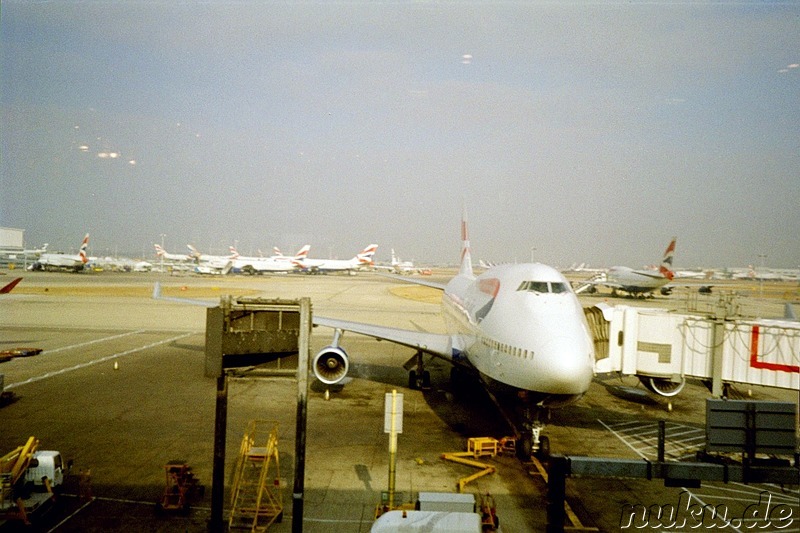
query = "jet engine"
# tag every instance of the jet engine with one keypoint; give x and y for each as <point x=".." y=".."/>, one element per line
<point x="331" y="365"/>
<point x="663" y="386"/>
<point x="666" y="291"/>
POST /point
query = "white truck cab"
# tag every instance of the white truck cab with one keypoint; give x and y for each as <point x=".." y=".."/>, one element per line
<point x="46" y="463"/>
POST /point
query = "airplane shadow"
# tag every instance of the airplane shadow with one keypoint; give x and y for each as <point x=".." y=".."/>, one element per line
<point x="469" y="411"/>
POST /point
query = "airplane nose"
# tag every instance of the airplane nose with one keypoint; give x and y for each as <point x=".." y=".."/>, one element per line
<point x="564" y="366"/>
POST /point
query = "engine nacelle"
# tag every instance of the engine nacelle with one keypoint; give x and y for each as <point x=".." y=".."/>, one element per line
<point x="663" y="386"/>
<point x="331" y="365"/>
<point x="666" y="291"/>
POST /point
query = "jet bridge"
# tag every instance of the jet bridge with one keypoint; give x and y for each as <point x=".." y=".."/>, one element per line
<point x="663" y="348"/>
<point x="258" y="337"/>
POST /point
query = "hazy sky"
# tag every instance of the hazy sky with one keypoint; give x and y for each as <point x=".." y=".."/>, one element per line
<point x="572" y="132"/>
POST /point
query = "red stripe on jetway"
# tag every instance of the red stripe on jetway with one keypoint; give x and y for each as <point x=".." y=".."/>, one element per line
<point x="755" y="363"/>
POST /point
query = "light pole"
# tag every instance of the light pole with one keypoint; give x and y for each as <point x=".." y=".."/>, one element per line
<point x="162" y="252"/>
<point x="760" y="275"/>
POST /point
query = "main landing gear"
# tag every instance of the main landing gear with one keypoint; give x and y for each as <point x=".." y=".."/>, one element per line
<point x="418" y="377"/>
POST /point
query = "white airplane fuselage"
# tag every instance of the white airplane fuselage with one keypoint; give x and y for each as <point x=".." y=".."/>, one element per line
<point x="636" y="281"/>
<point x="61" y="260"/>
<point x="263" y="264"/>
<point x="522" y="326"/>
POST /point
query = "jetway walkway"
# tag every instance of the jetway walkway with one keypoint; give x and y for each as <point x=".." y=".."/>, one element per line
<point x="663" y="348"/>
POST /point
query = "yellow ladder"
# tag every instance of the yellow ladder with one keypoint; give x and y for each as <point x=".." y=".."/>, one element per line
<point x="256" y="498"/>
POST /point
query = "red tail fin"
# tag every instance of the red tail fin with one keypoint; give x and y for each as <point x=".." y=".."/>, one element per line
<point x="666" y="262"/>
<point x="84" y="246"/>
<point x="8" y="288"/>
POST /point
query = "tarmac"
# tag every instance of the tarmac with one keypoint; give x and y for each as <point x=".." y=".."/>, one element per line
<point x="120" y="390"/>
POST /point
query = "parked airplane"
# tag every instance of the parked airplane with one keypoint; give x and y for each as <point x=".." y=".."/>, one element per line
<point x="204" y="258"/>
<point x="162" y="253"/>
<point x="10" y="287"/>
<point x="211" y="264"/>
<point x="53" y="261"/>
<point x="118" y="264"/>
<point x="362" y="260"/>
<point x="276" y="263"/>
<point x="399" y="267"/>
<point x="759" y="275"/>
<point x="519" y="327"/>
<point x="10" y="256"/>
<point x="636" y="282"/>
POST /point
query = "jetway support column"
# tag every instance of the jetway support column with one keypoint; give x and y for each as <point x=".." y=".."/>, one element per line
<point x="218" y="475"/>
<point x="302" y="415"/>
<point x="717" y="342"/>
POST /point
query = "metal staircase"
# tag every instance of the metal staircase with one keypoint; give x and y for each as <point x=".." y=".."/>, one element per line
<point x="256" y="497"/>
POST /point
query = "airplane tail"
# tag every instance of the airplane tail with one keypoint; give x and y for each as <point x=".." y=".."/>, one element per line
<point x="366" y="255"/>
<point x="302" y="253"/>
<point x="84" y="246"/>
<point x="466" y="254"/>
<point x="159" y="251"/>
<point x="193" y="252"/>
<point x="299" y="259"/>
<point x="234" y="254"/>
<point x="666" y="262"/>
<point x="8" y="288"/>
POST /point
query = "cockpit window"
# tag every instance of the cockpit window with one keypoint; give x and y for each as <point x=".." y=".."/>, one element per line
<point x="559" y="287"/>
<point x="534" y="286"/>
<point x="543" y="286"/>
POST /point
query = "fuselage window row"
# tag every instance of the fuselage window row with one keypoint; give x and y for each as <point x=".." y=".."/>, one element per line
<point x="510" y="350"/>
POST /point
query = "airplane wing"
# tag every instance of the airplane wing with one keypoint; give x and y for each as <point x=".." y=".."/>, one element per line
<point x="415" y="281"/>
<point x="432" y="343"/>
<point x="436" y="344"/>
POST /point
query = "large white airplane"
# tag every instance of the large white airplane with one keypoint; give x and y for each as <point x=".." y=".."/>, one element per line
<point x="519" y="327"/>
<point x="275" y="263"/>
<point x="206" y="258"/>
<point x="162" y="253"/>
<point x="362" y="260"/>
<point x="638" y="282"/>
<point x="17" y="255"/>
<point x="399" y="267"/>
<point x="211" y="264"/>
<point x="54" y="261"/>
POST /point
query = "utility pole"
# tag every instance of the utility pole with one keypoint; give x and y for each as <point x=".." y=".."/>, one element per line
<point x="162" y="249"/>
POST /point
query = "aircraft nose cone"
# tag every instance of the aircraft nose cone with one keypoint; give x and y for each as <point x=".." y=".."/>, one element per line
<point x="565" y="366"/>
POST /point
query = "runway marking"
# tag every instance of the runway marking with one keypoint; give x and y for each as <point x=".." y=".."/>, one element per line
<point x="194" y="507"/>
<point x="104" y="339"/>
<point x="637" y="437"/>
<point x="67" y="519"/>
<point x="680" y="440"/>
<point x="643" y="456"/>
<point x="96" y="361"/>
